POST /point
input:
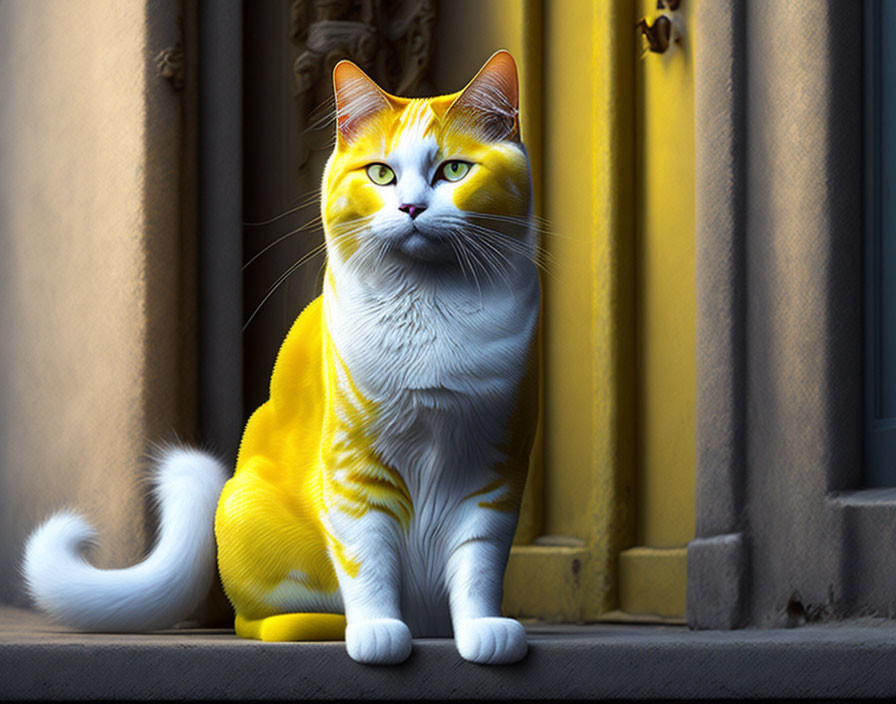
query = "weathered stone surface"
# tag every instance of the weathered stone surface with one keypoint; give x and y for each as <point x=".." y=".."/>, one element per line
<point x="588" y="662"/>
<point x="716" y="581"/>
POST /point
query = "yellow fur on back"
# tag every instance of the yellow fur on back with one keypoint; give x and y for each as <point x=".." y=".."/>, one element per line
<point x="268" y="519"/>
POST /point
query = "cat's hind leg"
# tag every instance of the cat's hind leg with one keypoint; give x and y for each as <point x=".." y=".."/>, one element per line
<point x="273" y="558"/>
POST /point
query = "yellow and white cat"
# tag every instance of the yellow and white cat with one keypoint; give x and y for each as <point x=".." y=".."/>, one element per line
<point x="377" y="491"/>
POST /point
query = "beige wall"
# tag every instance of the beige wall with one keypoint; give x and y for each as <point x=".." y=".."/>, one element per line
<point x="95" y="353"/>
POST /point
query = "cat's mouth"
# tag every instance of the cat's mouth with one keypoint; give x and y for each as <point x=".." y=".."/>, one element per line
<point x="427" y="247"/>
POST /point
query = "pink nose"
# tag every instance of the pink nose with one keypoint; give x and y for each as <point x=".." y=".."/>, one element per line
<point x="412" y="210"/>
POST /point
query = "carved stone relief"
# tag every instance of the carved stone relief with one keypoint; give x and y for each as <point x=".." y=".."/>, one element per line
<point x="170" y="61"/>
<point x="392" y="40"/>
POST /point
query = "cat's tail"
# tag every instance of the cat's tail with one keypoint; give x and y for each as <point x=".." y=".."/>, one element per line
<point x="156" y="593"/>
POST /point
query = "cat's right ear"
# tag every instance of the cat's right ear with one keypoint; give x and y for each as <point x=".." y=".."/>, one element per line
<point x="358" y="99"/>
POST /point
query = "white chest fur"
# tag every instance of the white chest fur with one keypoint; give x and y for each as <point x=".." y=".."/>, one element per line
<point x="443" y="366"/>
<point x="442" y="363"/>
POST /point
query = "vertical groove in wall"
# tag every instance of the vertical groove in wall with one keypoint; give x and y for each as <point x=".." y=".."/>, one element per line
<point x="188" y="376"/>
<point x="613" y="315"/>
<point x="720" y="266"/>
<point x="803" y="321"/>
<point x="168" y="397"/>
<point x="717" y="558"/>
<point x="220" y="225"/>
<point x="531" y="520"/>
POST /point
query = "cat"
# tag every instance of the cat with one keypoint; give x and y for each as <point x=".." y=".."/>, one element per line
<point x="377" y="491"/>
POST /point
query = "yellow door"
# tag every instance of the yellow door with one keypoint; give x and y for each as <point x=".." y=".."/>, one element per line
<point x="610" y="135"/>
<point x="569" y="570"/>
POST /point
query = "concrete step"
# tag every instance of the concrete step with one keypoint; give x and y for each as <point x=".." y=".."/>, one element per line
<point x="586" y="662"/>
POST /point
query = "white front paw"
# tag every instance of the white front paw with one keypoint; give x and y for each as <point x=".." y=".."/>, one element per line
<point x="491" y="641"/>
<point x="379" y="641"/>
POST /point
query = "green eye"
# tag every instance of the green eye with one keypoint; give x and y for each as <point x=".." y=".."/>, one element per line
<point x="455" y="170"/>
<point x="381" y="174"/>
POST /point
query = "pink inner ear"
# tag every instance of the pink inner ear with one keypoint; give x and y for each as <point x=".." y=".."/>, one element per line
<point x="489" y="105"/>
<point x="358" y="98"/>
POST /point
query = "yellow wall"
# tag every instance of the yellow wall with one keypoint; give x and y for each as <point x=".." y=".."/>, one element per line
<point x="569" y="301"/>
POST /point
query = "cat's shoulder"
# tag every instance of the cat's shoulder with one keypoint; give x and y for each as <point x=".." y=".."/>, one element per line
<point x="297" y="371"/>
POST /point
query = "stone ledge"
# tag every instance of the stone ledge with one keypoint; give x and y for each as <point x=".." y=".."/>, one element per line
<point x="595" y="661"/>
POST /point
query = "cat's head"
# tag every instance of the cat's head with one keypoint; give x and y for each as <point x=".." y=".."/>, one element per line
<point x="431" y="181"/>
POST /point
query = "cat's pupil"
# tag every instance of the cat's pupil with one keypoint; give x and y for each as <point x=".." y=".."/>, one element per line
<point x="382" y="172"/>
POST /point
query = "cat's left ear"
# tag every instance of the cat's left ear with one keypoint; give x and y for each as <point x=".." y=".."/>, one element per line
<point x="358" y="98"/>
<point x="490" y="104"/>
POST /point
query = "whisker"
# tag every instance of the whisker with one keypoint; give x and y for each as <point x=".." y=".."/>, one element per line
<point x="540" y="257"/>
<point x="457" y="255"/>
<point x="513" y="218"/>
<point x="285" y="275"/>
<point x="497" y="257"/>
<point x="490" y="265"/>
<point x="304" y="258"/>
<point x="537" y="224"/>
<point x="310" y="198"/>
<point x="328" y="108"/>
<point x="467" y="257"/>
<point x="319" y="278"/>
<point x="307" y="226"/>
<point x="500" y="262"/>
<point x="363" y="219"/>
<point x="498" y="233"/>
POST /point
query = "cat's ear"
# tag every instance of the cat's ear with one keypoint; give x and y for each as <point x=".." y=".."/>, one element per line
<point x="489" y="105"/>
<point x="358" y="99"/>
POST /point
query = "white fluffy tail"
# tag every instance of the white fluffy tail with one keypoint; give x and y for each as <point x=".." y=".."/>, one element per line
<point x="156" y="593"/>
